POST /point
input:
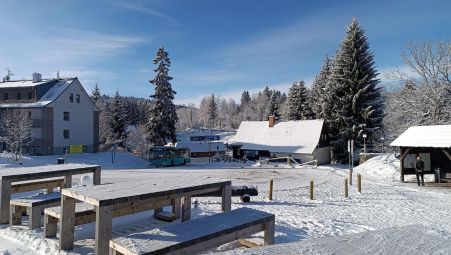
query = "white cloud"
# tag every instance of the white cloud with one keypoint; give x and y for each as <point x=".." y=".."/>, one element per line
<point x="140" y="7"/>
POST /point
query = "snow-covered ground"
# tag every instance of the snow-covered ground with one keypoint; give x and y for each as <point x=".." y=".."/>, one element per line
<point x="383" y="205"/>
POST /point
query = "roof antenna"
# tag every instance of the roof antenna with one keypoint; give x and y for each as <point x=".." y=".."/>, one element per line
<point x="57" y="75"/>
<point x="8" y="75"/>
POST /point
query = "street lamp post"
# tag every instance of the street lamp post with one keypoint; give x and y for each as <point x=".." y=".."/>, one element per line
<point x="364" y="144"/>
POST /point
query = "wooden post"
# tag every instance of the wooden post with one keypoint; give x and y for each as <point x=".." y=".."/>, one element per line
<point x="186" y="208"/>
<point x="270" y="189"/>
<point x="350" y="177"/>
<point x="67" y="223"/>
<point x="311" y="190"/>
<point x="346" y="188"/>
<point x="226" y="198"/>
<point x="359" y="183"/>
<point x="269" y="228"/>
<point x="403" y="156"/>
<point x="34" y="216"/>
<point x="5" y="197"/>
<point x="50" y="226"/>
<point x="96" y="179"/>
<point x="104" y="226"/>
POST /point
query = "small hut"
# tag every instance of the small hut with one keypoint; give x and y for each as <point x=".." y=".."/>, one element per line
<point x="431" y="143"/>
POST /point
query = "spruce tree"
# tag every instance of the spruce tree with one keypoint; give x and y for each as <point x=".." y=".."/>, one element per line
<point x="96" y="94"/>
<point x="320" y="99"/>
<point x="273" y="106"/>
<point x="212" y="112"/>
<point x="245" y="99"/>
<point x="161" y="125"/>
<point x="358" y="106"/>
<point x="117" y="121"/>
<point x="297" y="104"/>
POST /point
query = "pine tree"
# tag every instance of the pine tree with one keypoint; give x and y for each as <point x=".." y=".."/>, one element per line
<point x="161" y="126"/>
<point x="297" y="104"/>
<point x="118" y="120"/>
<point x="212" y="112"/>
<point x="358" y="106"/>
<point x="96" y="94"/>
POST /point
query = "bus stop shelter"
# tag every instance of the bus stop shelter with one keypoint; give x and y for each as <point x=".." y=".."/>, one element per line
<point x="431" y="143"/>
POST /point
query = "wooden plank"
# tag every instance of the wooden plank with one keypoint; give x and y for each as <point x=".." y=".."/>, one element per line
<point x="67" y="223"/>
<point x="248" y="244"/>
<point x="186" y="208"/>
<point x="16" y="214"/>
<point x="226" y="198"/>
<point x="5" y="197"/>
<point x="104" y="224"/>
<point x="176" y="207"/>
<point x="36" y="185"/>
<point x="42" y="172"/>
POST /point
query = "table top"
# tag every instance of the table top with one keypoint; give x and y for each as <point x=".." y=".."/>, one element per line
<point x="28" y="173"/>
<point x="114" y="193"/>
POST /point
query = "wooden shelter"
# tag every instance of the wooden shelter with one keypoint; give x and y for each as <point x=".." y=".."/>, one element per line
<point x="431" y="143"/>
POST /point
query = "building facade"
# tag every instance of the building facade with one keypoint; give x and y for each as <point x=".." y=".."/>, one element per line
<point x="62" y="113"/>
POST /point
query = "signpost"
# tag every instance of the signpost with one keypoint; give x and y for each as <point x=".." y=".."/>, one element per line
<point x="351" y="157"/>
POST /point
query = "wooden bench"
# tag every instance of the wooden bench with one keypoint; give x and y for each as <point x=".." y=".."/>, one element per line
<point x="86" y="213"/>
<point x="197" y="235"/>
<point x="48" y="184"/>
<point x="34" y="206"/>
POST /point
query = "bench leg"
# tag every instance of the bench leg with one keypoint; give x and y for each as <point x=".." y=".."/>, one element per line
<point x="67" y="223"/>
<point x="67" y="181"/>
<point x="49" y="190"/>
<point x="269" y="232"/>
<point x="186" y="208"/>
<point x="226" y="198"/>
<point x="176" y="207"/>
<point x="5" y="197"/>
<point x="16" y="212"/>
<point x="104" y="225"/>
<point x="96" y="179"/>
<point x="34" y="216"/>
<point x="50" y="226"/>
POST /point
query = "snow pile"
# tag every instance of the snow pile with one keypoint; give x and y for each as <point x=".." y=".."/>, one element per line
<point x="383" y="168"/>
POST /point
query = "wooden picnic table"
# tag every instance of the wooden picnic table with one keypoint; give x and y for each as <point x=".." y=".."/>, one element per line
<point x="125" y="196"/>
<point x="21" y="174"/>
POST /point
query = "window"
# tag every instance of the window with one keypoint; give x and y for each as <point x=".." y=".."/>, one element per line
<point x="19" y="96"/>
<point x="66" y="134"/>
<point x="66" y="116"/>
<point x="5" y="96"/>
<point x="77" y="98"/>
<point x="29" y="95"/>
<point x="71" y="97"/>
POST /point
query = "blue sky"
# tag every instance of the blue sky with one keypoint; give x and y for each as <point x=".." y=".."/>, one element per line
<point x="220" y="47"/>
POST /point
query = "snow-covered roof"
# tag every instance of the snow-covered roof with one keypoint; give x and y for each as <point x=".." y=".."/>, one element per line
<point x="51" y="95"/>
<point x="202" y="146"/>
<point x="21" y="84"/>
<point x="300" y="136"/>
<point x="438" y="136"/>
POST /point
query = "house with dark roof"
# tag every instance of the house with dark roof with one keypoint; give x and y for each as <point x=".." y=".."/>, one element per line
<point x="303" y="140"/>
<point x="62" y="113"/>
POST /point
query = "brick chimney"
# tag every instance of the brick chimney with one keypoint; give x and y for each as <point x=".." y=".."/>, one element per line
<point x="272" y="120"/>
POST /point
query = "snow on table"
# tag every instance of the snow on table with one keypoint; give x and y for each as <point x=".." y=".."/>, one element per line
<point x="39" y="172"/>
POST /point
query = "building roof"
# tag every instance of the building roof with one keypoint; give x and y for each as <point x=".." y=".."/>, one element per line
<point x="51" y="95"/>
<point x="22" y="83"/>
<point x="300" y="136"/>
<point x="202" y="146"/>
<point x="438" y="136"/>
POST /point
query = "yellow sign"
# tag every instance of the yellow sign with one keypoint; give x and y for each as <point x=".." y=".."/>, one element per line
<point x="76" y="149"/>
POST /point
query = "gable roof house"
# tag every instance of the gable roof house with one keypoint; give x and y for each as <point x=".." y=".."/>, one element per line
<point x="304" y="140"/>
<point x="62" y="113"/>
<point x="431" y="143"/>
